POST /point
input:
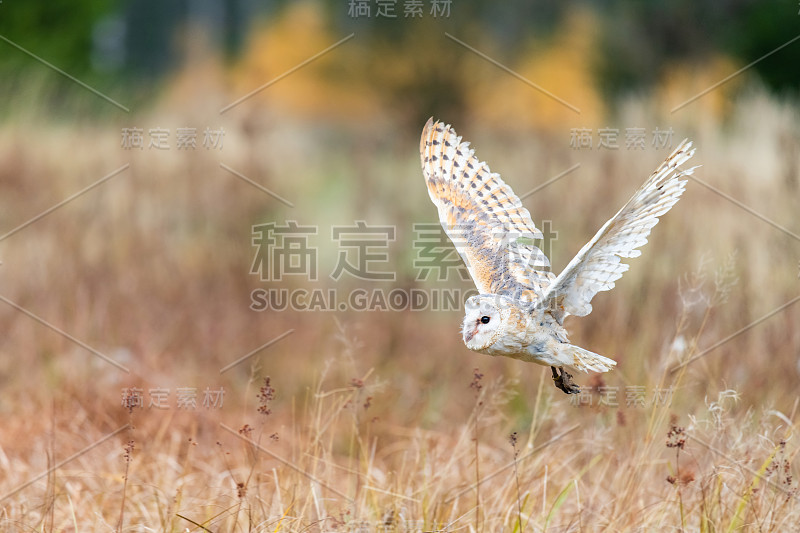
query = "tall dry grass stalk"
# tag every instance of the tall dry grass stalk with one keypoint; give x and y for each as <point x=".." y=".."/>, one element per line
<point x="370" y="424"/>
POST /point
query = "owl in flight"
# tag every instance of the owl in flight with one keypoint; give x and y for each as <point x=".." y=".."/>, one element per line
<point x="521" y="307"/>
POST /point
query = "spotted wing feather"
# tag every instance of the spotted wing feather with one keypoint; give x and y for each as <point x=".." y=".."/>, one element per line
<point x="486" y="221"/>
<point x="598" y="265"/>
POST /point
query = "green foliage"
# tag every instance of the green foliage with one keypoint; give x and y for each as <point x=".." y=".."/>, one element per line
<point x="636" y="42"/>
<point x="59" y="31"/>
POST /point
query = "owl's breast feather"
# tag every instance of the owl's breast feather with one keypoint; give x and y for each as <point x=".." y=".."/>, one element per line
<point x="530" y="338"/>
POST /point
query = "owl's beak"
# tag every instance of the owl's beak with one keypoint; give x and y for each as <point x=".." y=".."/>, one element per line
<point x="468" y="336"/>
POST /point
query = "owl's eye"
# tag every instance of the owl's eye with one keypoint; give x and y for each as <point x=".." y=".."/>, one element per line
<point x="485" y="319"/>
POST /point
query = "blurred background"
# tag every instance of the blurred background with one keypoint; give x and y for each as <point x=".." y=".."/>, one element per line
<point x="311" y="112"/>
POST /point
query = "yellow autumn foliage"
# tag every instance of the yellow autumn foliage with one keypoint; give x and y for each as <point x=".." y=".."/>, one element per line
<point x="565" y="90"/>
<point x="703" y="89"/>
<point x="322" y="87"/>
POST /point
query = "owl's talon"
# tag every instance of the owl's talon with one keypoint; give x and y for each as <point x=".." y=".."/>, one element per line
<point x="563" y="381"/>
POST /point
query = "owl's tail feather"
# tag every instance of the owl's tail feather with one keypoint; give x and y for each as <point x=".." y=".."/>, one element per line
<point x="584" y="360"/>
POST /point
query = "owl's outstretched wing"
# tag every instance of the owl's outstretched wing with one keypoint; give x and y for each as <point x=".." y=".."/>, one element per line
<point x="597" y="266"/>
<point x="483" y="217"/>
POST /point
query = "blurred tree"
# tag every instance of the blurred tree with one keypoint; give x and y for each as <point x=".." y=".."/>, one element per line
<point x="760" y="28"/>
<point x="59" y="31"/>
<point x="640" y="39"/>
<point x="408" y="61"/>
<point x="420" y="72"/>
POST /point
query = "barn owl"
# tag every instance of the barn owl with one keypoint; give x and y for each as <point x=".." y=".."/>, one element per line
<point x="521" y="307"/>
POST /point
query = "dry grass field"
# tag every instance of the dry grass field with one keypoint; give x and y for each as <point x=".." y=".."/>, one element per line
<point x="382" y="420"/>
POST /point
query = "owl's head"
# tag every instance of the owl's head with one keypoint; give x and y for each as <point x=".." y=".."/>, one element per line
<point x="484" y="316"/>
